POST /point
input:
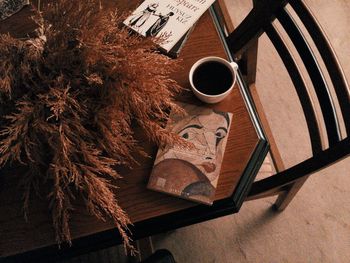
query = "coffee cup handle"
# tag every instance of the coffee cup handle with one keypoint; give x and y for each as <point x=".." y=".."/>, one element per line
<point x="234" y="65"/>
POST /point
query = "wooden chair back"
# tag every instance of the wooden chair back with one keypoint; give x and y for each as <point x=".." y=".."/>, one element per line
<point x="242" y="43"/>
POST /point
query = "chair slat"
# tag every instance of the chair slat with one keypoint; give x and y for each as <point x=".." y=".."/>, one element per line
<point x="315" y="73"/>
<point x="329" y="58"/>
<point x="243" y="35"/>
<point x="329" y="156"/>
<point x="252" y="26"/>
<point x="299" y="85"/>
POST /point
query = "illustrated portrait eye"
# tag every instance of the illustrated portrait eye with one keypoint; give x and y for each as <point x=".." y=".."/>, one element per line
<point x="185" y="135"/>
<point x="188" y="134"/>
<point x="220" y="134"/>
<point x="190" y="131"/>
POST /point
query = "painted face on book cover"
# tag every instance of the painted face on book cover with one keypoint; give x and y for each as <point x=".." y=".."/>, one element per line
<point x="206" y="131"/>
<point x="198" y="166"/>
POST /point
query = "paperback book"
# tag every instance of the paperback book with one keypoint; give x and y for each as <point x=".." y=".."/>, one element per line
<point x="168" y="20"/>
<point x="193" y="173"/>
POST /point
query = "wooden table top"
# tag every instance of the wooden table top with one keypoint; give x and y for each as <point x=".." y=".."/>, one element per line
<point x="18" y="236"/>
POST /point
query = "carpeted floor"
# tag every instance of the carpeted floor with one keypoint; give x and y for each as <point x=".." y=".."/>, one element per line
<point x="316" y="225"/>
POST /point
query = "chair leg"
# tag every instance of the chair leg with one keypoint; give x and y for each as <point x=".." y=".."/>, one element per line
<point x="160" y="256"/>
<point x="145" y="248"/>
<point x="285" y="198"/>
<point x="249" y="59"/>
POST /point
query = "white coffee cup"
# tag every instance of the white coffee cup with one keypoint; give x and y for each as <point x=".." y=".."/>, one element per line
<point x="232" y="66"/>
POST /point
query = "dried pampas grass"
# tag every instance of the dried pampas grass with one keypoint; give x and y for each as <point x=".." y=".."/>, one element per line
<point x="67" y="101"/>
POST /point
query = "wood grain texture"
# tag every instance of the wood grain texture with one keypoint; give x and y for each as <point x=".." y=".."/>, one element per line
<point x="274" y="151"/>
<point x="19" y="236"/>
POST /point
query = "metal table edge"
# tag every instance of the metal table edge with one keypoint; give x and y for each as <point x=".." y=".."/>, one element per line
<point x="263" y="146"/>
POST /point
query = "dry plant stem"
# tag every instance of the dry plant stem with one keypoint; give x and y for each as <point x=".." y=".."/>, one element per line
<point x="67" y="101"/>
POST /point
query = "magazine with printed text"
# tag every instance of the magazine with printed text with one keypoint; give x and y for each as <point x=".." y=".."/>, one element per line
<point x="168" y="20"/>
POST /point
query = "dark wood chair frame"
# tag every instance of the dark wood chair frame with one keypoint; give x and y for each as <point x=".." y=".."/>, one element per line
<point x="242" y="43"/>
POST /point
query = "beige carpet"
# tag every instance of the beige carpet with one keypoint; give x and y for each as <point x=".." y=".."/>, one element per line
<point x="316" y="225"/>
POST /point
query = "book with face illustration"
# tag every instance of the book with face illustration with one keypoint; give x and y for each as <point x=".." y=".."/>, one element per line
<point x="193" y="172"/>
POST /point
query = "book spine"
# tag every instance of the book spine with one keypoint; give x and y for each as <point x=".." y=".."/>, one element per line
<point x="175" y="51"/>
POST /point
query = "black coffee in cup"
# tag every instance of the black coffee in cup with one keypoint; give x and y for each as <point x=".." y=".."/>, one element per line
<point x="212" y="78"/>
